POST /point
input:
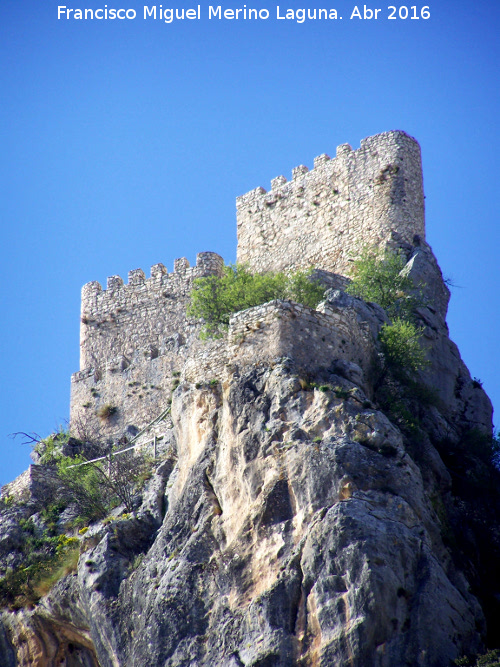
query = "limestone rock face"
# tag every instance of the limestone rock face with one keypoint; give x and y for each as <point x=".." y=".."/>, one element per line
<point x="293" y="519"/>
<point x="298" y="530"/>
<point x="56" y="633"/>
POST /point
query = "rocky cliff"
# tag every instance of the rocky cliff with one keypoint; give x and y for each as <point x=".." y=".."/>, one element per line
<point x="298" y="514"/>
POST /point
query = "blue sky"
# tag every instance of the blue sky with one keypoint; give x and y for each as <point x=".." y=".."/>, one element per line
<point x="125" y="143"/>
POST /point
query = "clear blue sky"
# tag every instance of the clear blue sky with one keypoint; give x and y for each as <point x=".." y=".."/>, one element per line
<point x="124" y="143"/>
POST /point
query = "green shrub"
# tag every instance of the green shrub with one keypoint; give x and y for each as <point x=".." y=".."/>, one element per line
<point x="377" y="275"/>
<point x="98" y="486"/>
<point x="84" y="485"/>
<point x="215" y="299"/>
<point x="489" y="659"/>
<point x="47" y="557"/>
<point x="341" y="393"/>
<point x="136" y="563"/>
<point x="49" y="449"/>
<point x="401" y="346"/>
<point x="7" y="501"/>
<point x="51" y="513"/>
<point x="65" y="562"/>
<point x="396" y="404"/>
<point x="307" y="385"/>
<point x="303" y="289"/>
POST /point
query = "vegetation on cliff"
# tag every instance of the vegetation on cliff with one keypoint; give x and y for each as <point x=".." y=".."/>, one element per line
<point x="468" y="512"/>
<point x="47" y="556"/>
<point x="215" y="299"/>
<point x="78" y="491"/>
<point x="92" y="475"/>
<point x="378" y="275"/>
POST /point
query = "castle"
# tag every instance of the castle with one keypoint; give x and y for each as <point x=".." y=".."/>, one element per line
<point x="306" y="506"/>
<point x="137" y="340"/>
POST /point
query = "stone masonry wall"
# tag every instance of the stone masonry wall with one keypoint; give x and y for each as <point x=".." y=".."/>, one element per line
<point x="31" y="484"/>
<point x="312" y="339"/>
<point x="147" y="315"/>
<point x="322" y="217"/>
<point x="134" y="339"/>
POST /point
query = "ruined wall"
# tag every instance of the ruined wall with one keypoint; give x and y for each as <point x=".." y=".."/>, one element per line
<point x="312" y="339"/>
<point x="322" y="217"/>
<point x="134" y="339"/>
<point x="32" y="483"/>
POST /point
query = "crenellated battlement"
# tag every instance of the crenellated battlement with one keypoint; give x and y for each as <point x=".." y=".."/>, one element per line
<point x="324" y="215"/>
<point x="141" y="314"/>
<point x="135" y="335"/>
<point x="207" y="263"/>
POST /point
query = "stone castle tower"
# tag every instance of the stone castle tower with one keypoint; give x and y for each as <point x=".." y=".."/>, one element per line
<point x="136" y="338"/>
<point x="322" y="217"/>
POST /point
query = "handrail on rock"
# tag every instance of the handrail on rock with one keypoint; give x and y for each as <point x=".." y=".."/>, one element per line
<point x="156" y="420"/>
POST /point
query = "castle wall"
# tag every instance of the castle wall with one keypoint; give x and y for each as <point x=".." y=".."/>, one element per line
<point x="138" y="393"/>
<point x="31" y="484"/>
<point x="323" y="217"/>
<point x="146" y="315"/>
<point x="310" y="338"/>
<point x="134" y="339"/>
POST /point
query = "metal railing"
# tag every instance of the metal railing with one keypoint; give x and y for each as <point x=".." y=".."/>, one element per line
<point x="107" y="457"/>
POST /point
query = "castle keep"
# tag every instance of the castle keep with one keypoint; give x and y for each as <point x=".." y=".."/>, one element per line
<point x="136" y="338"/>
<point x="322" y="217"/>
